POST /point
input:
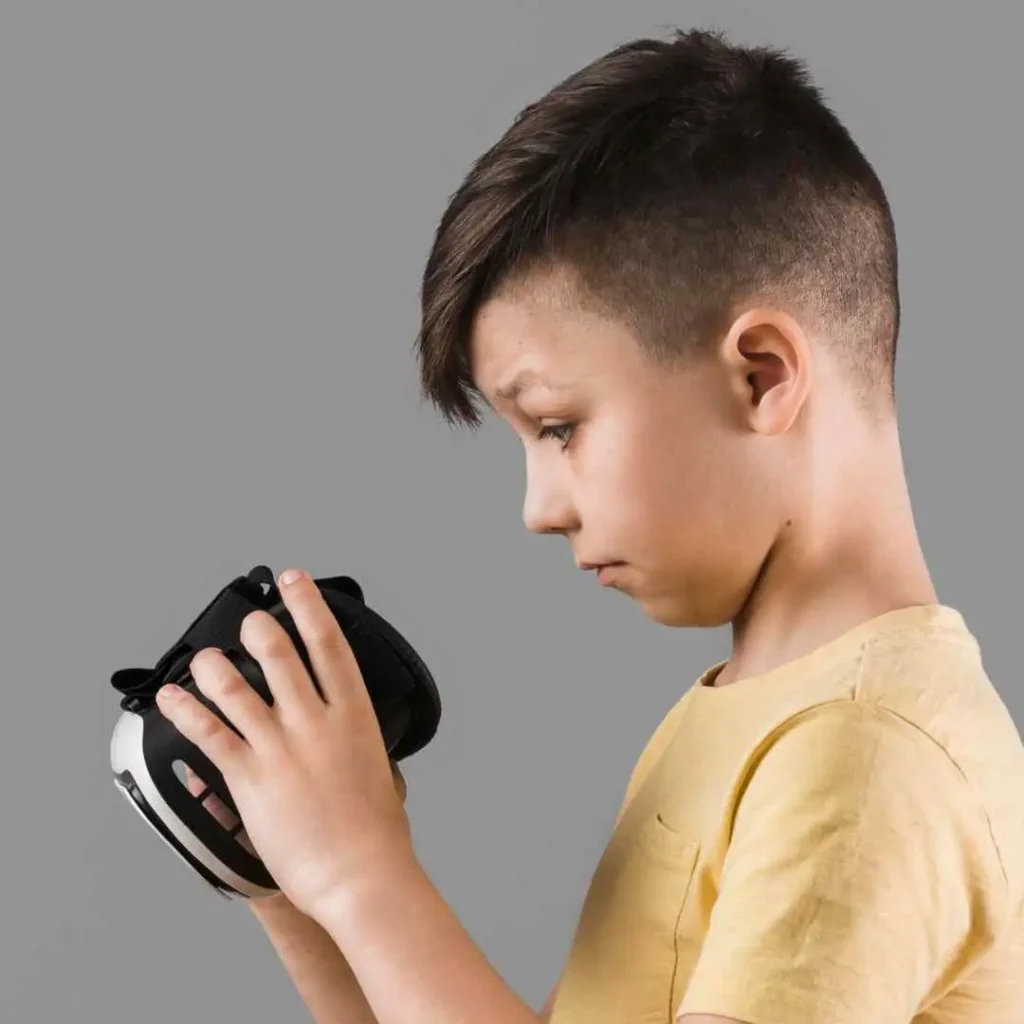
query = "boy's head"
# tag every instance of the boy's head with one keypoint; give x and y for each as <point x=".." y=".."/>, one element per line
<point x="693" y="259"/>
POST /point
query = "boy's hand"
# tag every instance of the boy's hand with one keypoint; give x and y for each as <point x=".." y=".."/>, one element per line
<point x="319" y="798"/>
<point x="224" y="815"/>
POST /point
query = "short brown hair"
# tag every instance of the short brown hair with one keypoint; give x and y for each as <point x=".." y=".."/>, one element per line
<point x="674" y="180"/>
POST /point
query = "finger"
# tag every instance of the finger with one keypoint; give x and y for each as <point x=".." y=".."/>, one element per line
<point x="213" y="803"/>
<point x="201" y="726"/>
<point x="223" y="684"/>
<point x="219" y="810"/>
<point x="329" y="651"/>
<point x="193" y="782"/>
<point x="287" y="677"/>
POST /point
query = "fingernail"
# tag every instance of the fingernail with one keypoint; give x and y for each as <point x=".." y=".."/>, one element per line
<point x="291" y="576"/>
<point x="169" y="692"/>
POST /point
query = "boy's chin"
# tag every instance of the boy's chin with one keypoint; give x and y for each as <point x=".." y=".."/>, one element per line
<point x="672" y="609"/>
<point x="669" y="615"/>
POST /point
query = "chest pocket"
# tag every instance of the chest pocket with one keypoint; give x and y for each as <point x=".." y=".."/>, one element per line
<point x="632" y="931"/>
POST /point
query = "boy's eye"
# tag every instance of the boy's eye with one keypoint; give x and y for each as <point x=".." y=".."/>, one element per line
<point x="560" y="431"/>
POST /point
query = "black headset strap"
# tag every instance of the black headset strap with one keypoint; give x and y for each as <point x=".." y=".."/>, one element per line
<point x="217" y="625"/>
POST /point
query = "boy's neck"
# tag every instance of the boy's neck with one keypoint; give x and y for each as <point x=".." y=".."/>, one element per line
<point x="854" y="555"/>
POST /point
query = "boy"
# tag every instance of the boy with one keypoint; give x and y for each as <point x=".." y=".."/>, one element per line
<point x="675" y="278"/>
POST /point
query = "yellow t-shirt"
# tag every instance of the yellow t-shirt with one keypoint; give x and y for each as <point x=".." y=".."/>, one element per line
<point x="837" y="841"/>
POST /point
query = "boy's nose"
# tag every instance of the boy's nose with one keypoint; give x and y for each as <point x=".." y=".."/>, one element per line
<point x="548" y="509"/>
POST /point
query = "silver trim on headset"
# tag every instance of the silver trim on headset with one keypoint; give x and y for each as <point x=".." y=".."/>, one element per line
<point x="126" y="754"/>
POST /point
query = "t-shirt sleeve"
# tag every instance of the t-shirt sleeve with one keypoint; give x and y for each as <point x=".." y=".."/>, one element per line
<point x="860" y="877"/>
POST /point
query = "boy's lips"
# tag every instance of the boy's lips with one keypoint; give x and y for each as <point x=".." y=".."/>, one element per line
<point x="600" y="568"/>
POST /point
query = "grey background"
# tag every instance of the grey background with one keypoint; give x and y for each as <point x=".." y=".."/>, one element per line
<point x="213" y="218"/>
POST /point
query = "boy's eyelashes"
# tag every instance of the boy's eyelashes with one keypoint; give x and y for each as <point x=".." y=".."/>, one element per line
<point x="560" y="431"/>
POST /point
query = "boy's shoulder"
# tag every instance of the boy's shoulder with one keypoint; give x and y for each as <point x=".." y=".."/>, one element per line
<point x="917" y="671"/>
<point x="901" y="713"/>
<point x="933" y="684"/>
<point x="870" y="795"/>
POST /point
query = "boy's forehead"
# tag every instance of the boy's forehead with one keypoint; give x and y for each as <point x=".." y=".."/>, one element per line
<point x="513" y="347"/>
<point x="527" y="341"/>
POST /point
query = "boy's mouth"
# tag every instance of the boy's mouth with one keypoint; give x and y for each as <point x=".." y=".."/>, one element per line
<point x="601" y="568"/>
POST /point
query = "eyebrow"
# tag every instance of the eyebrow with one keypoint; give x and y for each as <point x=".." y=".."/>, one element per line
<point x="510" y="391"/>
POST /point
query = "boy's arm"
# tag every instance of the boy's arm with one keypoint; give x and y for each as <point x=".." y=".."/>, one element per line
<point x="411" y="914"/>
<point x="318" y="970"/>
<point x="413" y="957"/>
<point x="861" y="878"/>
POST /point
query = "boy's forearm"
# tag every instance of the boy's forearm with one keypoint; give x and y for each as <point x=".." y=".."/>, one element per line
<point x="413" y="958"/>
<point x="320" y="973"/>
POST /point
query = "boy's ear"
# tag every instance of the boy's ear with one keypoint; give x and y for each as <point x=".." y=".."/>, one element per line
<point x="767" y="357"/>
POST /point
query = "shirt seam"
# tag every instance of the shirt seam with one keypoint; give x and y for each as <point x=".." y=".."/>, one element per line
<point x="884" y="709"/>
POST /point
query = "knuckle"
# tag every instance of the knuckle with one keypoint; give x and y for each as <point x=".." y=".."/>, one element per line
<point x="215" y="680"/>
<point x="327" y="635"/>
<point x="276" y="646"/>
<point x="228" y="684"/>
<point x="251" y="624"/>
<point x="207" y="657"/>
<point x="205" y="731"/>
<point x="258" y="623"/>
<point x="208" y="728"/>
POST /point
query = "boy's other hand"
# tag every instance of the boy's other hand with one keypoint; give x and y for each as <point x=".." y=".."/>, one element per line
<point x="225" y="817"/>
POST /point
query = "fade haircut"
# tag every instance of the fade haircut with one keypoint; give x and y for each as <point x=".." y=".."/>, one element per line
<point x="672" y="182"/>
